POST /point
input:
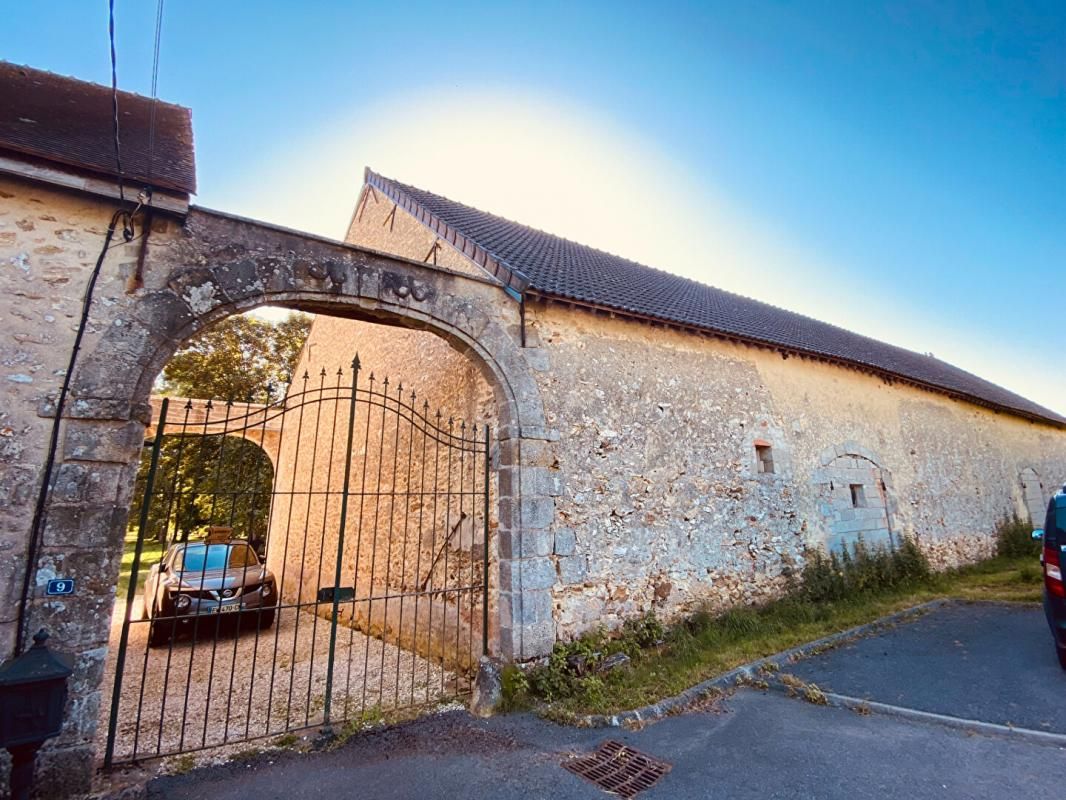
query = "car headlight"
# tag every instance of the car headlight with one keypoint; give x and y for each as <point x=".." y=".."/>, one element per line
<point x="182" y="602"/>
<point x="267" y="589"/>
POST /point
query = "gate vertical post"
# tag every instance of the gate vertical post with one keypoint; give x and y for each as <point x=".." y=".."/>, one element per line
<point x="131" y="592"/>
<point x="485" y="555"/>
<point x="340" y="544"/>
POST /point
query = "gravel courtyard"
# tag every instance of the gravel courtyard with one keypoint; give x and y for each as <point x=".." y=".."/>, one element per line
<point x="237" y="685"/>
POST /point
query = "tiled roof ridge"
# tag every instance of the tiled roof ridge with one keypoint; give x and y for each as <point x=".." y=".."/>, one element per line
<point x="72" y="79"/>
<point x="864" y="349"/>
<point x="407" y="188"/>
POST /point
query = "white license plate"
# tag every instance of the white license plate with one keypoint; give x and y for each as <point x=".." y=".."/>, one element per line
<point x="227" y="609"/>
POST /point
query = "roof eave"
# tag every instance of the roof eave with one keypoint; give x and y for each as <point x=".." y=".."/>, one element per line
<point x="67" y="177"/>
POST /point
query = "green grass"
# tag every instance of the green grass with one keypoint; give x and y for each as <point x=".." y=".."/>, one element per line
<point x="705" y="645"/>
<point x="150" y="554"/>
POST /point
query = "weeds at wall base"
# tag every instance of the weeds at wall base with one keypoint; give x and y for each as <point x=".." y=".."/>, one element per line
<point x="665" y="660"/>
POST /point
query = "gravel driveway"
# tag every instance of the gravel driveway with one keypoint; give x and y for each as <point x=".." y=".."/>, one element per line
<point x="235" y="685"/>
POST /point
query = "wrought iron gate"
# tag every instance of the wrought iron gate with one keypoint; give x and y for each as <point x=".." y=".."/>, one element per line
<point x="346" y="580"/>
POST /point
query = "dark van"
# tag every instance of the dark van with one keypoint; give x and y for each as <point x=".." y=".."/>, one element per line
<point x="1054" y="561"/>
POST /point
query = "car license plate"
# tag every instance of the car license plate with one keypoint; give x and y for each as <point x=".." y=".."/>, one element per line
<point x="227" y="609"/>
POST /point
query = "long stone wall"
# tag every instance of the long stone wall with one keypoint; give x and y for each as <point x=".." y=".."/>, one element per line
<point x="660" y="501"/>
<point x="664" y="506"/>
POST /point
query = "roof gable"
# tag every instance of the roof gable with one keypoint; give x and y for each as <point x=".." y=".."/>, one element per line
<point x="556" y="267"/>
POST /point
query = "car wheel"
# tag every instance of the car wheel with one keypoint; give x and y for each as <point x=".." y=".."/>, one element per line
<point x="1061" y="653"/>
<point x="266" y="619"/>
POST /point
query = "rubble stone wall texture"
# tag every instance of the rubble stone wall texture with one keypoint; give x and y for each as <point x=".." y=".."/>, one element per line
<point x="663" y="504"/>
<point x="49" y="242"/>
<point x="379" y="225"/>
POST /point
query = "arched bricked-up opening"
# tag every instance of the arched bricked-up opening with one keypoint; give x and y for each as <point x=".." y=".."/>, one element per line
<point x="217" y="266"/>
<point x="1033" y="496"/>
<point x="855" y="498"/>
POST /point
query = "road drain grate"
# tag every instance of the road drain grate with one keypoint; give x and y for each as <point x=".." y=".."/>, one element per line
<point x="618" y="769"/>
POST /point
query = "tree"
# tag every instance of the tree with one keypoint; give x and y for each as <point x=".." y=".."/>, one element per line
<point x="207" y="480"/>
<point x="237" y="359"/>
<point x="221" y="480"/>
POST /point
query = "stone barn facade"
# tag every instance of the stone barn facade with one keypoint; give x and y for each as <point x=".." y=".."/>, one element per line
<point x="703" y="442"/>
<point x="656" y="443"/>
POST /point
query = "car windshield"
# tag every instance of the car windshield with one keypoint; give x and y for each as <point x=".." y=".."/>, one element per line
<point x="204" y="557"/>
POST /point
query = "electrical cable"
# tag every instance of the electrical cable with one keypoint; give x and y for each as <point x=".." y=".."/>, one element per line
<point x="53" y="442"/>
<point x="155" y="87"/>
<point x="126" y="217"/>
<point x="114" y="99"/>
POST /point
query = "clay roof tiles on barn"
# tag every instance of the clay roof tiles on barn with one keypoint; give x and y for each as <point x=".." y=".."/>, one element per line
<point x="555" y="267"/>
<point x="69" y="122"/>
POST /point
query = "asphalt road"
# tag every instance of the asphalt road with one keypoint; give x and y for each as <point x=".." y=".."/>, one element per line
<point x="989" y="663"/>
<point x="759" y="745"/>
<point x="976" y="660"/>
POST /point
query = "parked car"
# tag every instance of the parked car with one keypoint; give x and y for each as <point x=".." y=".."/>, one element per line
<point x="198" y="579"/>
<point x="1053" y="559"/>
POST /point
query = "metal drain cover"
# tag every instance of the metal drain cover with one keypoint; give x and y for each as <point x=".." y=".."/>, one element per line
<point x="618" y="769"/>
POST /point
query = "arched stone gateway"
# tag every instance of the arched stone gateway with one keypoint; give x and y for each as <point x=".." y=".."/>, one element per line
<point x="215" y="266"/>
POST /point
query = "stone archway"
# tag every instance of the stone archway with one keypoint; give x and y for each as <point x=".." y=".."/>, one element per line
<point x="855" y="497"/>
<point x="215" y="266"/>
<point x="265" y="434"/>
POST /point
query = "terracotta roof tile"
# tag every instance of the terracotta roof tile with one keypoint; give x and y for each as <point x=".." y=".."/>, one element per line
<point x="560" y="268"/>
<point x="68" y="121"/>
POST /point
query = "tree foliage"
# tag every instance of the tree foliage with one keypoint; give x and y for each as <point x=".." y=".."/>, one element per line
<point x="207" y="480"/>
<point x="220" y="480"/>
<point x="237" y="358"/>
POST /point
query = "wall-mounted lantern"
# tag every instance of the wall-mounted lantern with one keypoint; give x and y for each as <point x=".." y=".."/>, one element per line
<point x="33" y="692"/>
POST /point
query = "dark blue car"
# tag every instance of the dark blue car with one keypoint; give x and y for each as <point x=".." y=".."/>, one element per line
<point x="1054" y="561"/>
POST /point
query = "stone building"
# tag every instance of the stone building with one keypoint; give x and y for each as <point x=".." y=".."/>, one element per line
<point x="656" y="443"/>
<point x="702" y="441"/>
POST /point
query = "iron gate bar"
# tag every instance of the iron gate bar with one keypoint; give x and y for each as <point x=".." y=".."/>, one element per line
<point x="325" y="516"/>
<point x="418" y="557"/>
<point x="266" y="555"/>
<point x="174" y="496"/>
<point x="485" y="552"/>
<point x="358" y="550"/>
<point x="199" y="478"/>
<point x="340" y="541"/>
<point x="403" y="556"/>
<point x="303" y="565"/>
<point x="131" y="591"/>
<point x="258" y="620"/>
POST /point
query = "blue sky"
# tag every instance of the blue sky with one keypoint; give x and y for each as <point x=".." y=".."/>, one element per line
<point x="897" y="168"/>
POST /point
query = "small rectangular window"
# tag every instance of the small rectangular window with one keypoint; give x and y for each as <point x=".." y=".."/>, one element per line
<point x="765" y="456"/>
<point x="858" y="496"/>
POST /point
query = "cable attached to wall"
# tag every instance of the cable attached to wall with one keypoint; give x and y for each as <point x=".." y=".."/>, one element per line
<point x="39" y="515"/>
<point x="125" y="217"/>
